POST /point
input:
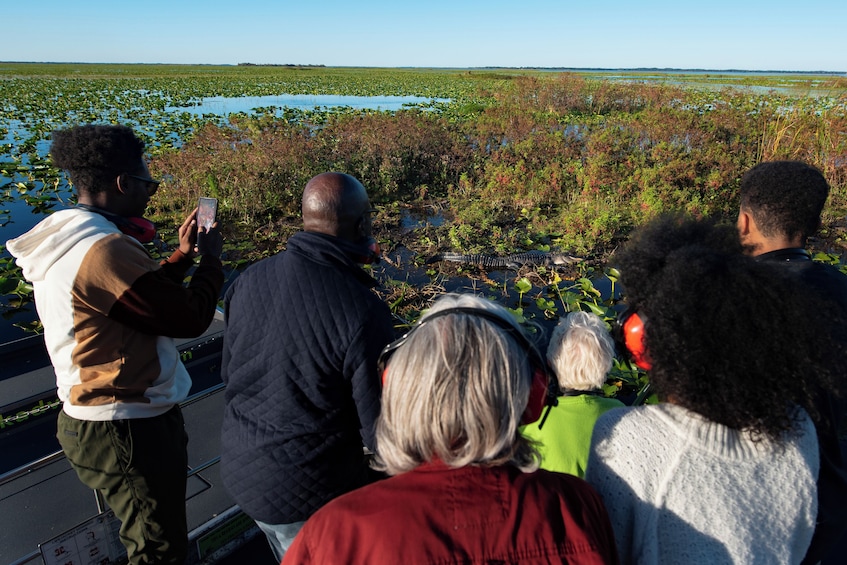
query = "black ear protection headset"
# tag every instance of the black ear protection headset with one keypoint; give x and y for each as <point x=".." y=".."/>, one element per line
<point x="540" y="394"/>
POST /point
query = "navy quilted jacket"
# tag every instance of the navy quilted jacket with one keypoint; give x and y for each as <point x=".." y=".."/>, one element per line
<point x="303" y="334"/>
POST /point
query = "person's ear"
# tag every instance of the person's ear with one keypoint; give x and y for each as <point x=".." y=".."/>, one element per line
<point x="744" y="223"/>
<point x="362" y="231"/>
<point x="120" y="182"/>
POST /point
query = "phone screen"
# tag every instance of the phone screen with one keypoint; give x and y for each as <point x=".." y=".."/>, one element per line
<point x="206" y="211"/>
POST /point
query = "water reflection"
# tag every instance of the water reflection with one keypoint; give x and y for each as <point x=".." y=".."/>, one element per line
<point x="223" y="105"/>
<point x="412" y="220"/>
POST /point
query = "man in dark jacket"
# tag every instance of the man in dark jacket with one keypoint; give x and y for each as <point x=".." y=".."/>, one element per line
<point x="303" y="334"/>
<point x="781" y="204"/>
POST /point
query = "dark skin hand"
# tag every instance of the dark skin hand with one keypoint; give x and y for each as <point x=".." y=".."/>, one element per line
<point x="195" y="241"/>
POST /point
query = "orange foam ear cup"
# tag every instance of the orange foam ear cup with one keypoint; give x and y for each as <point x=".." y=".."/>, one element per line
<point x="633" y="335"/>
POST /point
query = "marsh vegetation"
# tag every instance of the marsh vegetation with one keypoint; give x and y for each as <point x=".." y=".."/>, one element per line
<point x="498" y="161"/>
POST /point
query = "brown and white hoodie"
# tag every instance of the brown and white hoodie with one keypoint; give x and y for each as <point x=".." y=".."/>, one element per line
<point x="110" y="313"/>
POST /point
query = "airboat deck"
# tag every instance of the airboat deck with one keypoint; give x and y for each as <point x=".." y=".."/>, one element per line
<point x="47" y="516"/>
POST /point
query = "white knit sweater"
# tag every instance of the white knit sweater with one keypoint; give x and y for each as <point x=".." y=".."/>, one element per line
<point x="682" y="489"/>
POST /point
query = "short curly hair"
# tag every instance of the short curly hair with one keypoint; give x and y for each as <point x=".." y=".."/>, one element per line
<point x="785" y="198"/>
<point x="94" y="155"/>
<point x="736" y="340"/>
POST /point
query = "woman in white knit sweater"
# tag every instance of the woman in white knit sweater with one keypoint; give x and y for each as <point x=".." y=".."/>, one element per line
<point x="724" y="471"/>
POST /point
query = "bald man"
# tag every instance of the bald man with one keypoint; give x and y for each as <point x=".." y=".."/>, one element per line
<point x="304" y="331"/>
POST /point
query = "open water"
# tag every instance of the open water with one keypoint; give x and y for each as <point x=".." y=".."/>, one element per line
<point x="222" y="105"/>
<point x="22" y="216"/>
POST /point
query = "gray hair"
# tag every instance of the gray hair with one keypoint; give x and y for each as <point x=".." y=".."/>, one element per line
<point x="456" y="391"/>
<point x="580" y="351"/>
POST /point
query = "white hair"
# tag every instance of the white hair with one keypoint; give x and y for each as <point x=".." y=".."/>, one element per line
<point x="455" y="391"/>
<point x="580" y="351"/>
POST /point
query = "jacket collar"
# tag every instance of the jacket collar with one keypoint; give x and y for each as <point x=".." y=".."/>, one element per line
<point x="788" y="255"/>
<point x="330" y="251"/>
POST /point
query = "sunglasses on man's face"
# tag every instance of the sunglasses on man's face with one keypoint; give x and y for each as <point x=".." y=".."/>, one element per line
<point x="152" y="185"/>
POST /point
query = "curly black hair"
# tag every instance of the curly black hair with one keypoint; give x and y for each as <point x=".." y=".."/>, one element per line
<point x="785" y="198"/>
<point x="94" y="155"/>
<point x="736" y="340"/>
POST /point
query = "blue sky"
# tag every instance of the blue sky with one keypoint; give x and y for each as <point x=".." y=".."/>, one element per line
<point x="748" y="35"/>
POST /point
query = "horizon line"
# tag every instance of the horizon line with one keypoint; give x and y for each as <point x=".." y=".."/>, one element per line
<point x="485" y="67"/>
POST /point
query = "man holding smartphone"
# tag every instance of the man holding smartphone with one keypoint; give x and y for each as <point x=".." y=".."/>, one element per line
<point x="110" y="313"/>
<point x="303" y="335"/>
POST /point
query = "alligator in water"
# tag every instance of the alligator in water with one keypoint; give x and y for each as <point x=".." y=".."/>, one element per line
<point x="514" y="261"/>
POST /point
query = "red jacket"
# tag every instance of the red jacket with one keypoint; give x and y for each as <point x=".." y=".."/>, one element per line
<point x="434" y="514"/>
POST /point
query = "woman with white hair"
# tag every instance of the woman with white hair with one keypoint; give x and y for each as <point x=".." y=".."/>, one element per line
<point x="464" y="485"/>
<point x="580" y="353"/>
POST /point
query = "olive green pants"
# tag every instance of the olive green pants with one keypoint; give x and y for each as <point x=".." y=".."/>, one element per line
<point x="139" y="466"/>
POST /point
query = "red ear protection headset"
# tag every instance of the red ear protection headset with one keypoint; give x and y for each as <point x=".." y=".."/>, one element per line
<point x="142" y="229"/>
<point x="632" y="325"/>
<point x="540" y="394"/>
<point x="364" y="252"/>
<point x="373" y="254"/>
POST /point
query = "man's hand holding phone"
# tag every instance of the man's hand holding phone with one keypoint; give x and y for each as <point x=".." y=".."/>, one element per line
<point x="209" y="240"/>
<point x="207" y="209"/>
<point x="199" y="233"/>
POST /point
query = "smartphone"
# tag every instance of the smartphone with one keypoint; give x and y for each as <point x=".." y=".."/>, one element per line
<point x="206" y="211"/>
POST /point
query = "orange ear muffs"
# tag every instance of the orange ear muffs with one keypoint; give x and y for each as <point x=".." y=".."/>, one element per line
<point x="540" y="394"/>
<point x="633" y="338"/>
